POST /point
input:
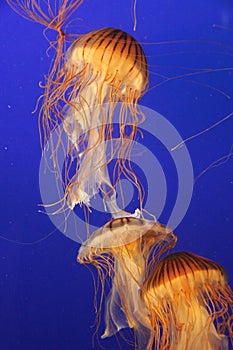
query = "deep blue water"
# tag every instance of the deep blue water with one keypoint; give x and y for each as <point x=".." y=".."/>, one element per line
<point x="46" y="297"/>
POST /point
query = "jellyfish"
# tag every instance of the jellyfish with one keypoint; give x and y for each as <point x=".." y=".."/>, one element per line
<point x="126" y="249"/>
<point x="190" y="304"/>
<point x="104" y="67"/>
<point x="86" y="84"/>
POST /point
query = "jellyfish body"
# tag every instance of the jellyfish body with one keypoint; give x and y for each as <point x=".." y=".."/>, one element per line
<point x="126" y="248"/>
<point x="81" y="93"/>
<point x="104" y="67"/>
<point x="190" y="304"/>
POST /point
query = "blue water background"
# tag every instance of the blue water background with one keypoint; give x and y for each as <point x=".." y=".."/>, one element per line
<point x="46" y="297"/>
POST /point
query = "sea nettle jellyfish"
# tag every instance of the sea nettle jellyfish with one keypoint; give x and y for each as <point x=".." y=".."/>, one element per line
<point x="126" y="249"/>
<point x="103" y="68"/>
<point x="190" y="304"/>
<point x="85" y="85"/>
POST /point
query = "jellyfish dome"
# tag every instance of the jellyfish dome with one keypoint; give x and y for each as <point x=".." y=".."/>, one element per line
<point x="115" y="59"/>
